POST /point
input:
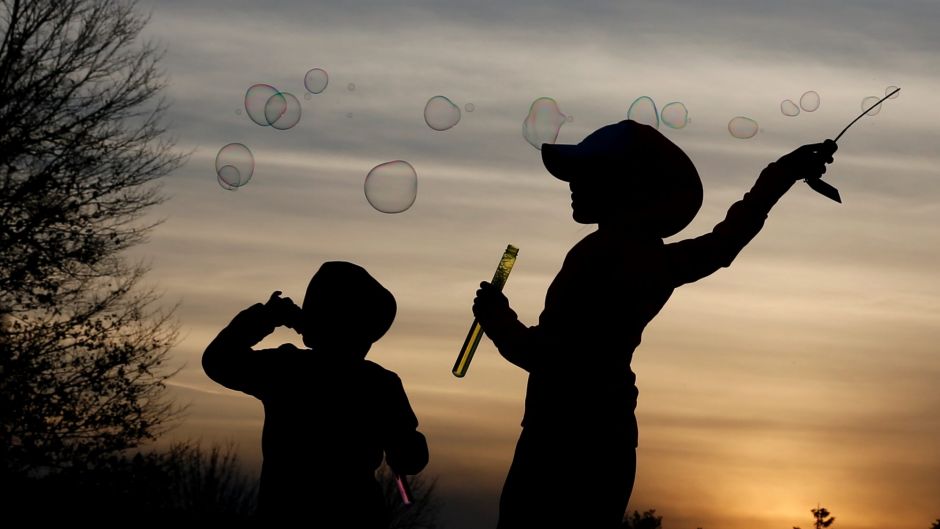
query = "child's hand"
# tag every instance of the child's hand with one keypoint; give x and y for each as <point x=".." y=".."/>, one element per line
<point x="807" y="162"/>
<point x="284" y="311"/>
<point x="491" y="307"/>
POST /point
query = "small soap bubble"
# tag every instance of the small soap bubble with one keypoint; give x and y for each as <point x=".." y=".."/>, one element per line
<point x="308" y="96"/>
<point x="351" y="87"/>
<point x="675" y="115"/>
<point x="743" y="128"/>
<point x="234" y="164"/>
<point x="809" y="101"/>
<point x="282" y="111"/>
<point x="789" y="108"/>
<point x="238" y="112"/>
<point x="392" y="187"/>
<point x="349" y="115"/>
<point x="869" y="101"/>
<point x="441" y="113"/>
<point x="256" y="98"/>
<point x="569" y="118"/>
<point x="316" y="80"/>
<point x="226" y="175"/>
<point x="643" y="110"/>
<point x="469" y="107"/>
<point x="892" y="89"/>
<point x="543" y="122"/>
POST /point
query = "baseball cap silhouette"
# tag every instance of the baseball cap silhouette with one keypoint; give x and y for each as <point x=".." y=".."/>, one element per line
<point x="634" y="158"/>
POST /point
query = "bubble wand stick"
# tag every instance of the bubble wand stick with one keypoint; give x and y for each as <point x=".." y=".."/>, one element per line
<point x="825" y="189"/>
<point x="476" y="332"/>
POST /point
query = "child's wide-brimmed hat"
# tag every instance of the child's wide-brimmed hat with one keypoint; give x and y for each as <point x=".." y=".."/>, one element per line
<point x="630" y="155"/>
<point x="342" y="299"/>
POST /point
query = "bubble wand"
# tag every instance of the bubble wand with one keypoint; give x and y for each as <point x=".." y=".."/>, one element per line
<point x="823" y="188"/>
<point x="476" y="332"/>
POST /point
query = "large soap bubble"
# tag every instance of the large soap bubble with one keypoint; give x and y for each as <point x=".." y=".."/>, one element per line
<point x="643" y="110"/>
<point x="256" y="98"/>
<point x="743" y="128"/>
<point x="316" y="80"/>
<point x="543" y="122"/>
<point x="392" y="187"/>
<point x="441" y="113"/>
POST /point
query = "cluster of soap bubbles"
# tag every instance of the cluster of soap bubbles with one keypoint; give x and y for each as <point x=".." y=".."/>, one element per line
<point x="871" y="100"/>
<point x="267" y="106"/>
<point x="643" y="110"/>
<point x="234" y="165"/>
<point x="809" y="102"/>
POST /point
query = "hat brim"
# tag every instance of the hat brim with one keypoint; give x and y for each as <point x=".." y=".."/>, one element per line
<point x="562" y="161"/>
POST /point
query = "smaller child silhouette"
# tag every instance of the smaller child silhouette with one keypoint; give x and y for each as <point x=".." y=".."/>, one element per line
<point x="329" y="413"/>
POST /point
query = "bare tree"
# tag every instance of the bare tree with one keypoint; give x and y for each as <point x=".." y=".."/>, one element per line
<point x="821" y="518"/>
<point x="81" y="147"/>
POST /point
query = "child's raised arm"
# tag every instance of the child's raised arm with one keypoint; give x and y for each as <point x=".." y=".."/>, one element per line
<point x="229" y="359"/>
<point x="692" y="259"/>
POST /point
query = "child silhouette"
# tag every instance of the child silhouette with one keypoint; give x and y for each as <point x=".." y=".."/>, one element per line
<point x="329" y="413"/>
<point x="575" y="460"/>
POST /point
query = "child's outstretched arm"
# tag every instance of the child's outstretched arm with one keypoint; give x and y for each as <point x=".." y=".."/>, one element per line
<point x="229" y="359"/>
<point x="693" y="259"/>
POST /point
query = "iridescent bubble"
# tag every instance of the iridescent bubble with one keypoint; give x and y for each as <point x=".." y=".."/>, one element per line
<point x="743" y="128"/>
<point x="789" y="108"/>
<point x="441" y="113"/>
<point x="869" y="101"/>
<point x="316" y="80"/>
<point x="228" y="174"/>
<point x="256" y="98"/>
<point x="282" y="110"/>
<point x="351" y="87"/>
<point x="234" y="164"/>
<point x="643" y="110"/>
<point x="892" y="89"/>
<point x="809" y="101"/>
<point x="469" y="107"/>
<point x="543" y="122"/>
<point x="675" y="115"/>
<point x="392" y="187"/>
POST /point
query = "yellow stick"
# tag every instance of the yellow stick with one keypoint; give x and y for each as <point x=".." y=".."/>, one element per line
<point x="476" y="332"/>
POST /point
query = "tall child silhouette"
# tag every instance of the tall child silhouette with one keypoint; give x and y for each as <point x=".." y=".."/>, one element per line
<point x="575" y="460"/>
<point x="329" y="413"/>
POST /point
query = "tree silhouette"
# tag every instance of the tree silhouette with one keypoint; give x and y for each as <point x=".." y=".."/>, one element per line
<point x="647" y="520"/>
<point x="821" y="518"/>
<point x="81" y="146"/>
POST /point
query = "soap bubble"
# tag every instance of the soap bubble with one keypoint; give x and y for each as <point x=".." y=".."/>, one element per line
<point x="469" y="107"/>
<point x="392" y="187"/>
<point x="316" y="80"/>
<point x="349" y="115"/>
<point x="238" y="112"/>
<point x="869" y="101"/>
<point x="543" y="122"/>
<point x="569" y="118"/>
<point x="809" y="101"/>
<point x="892" y="89"/>
<point x="256" y="98"/>
<point x="742" y="128"/>
<point x="308" y="96"/>
<point x="282" y="111"/>
<point x="789" y="108"/>
<point x="234" y="164"/>
<point x="228" y="174"/>
<point x="675" y="115"/>
<point x="351" y="87"/>
<point x="441" y="113"/>
<point x="643" y="110"/>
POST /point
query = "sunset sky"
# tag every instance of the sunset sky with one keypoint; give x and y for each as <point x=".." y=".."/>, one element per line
<point x="805" y="374"/>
